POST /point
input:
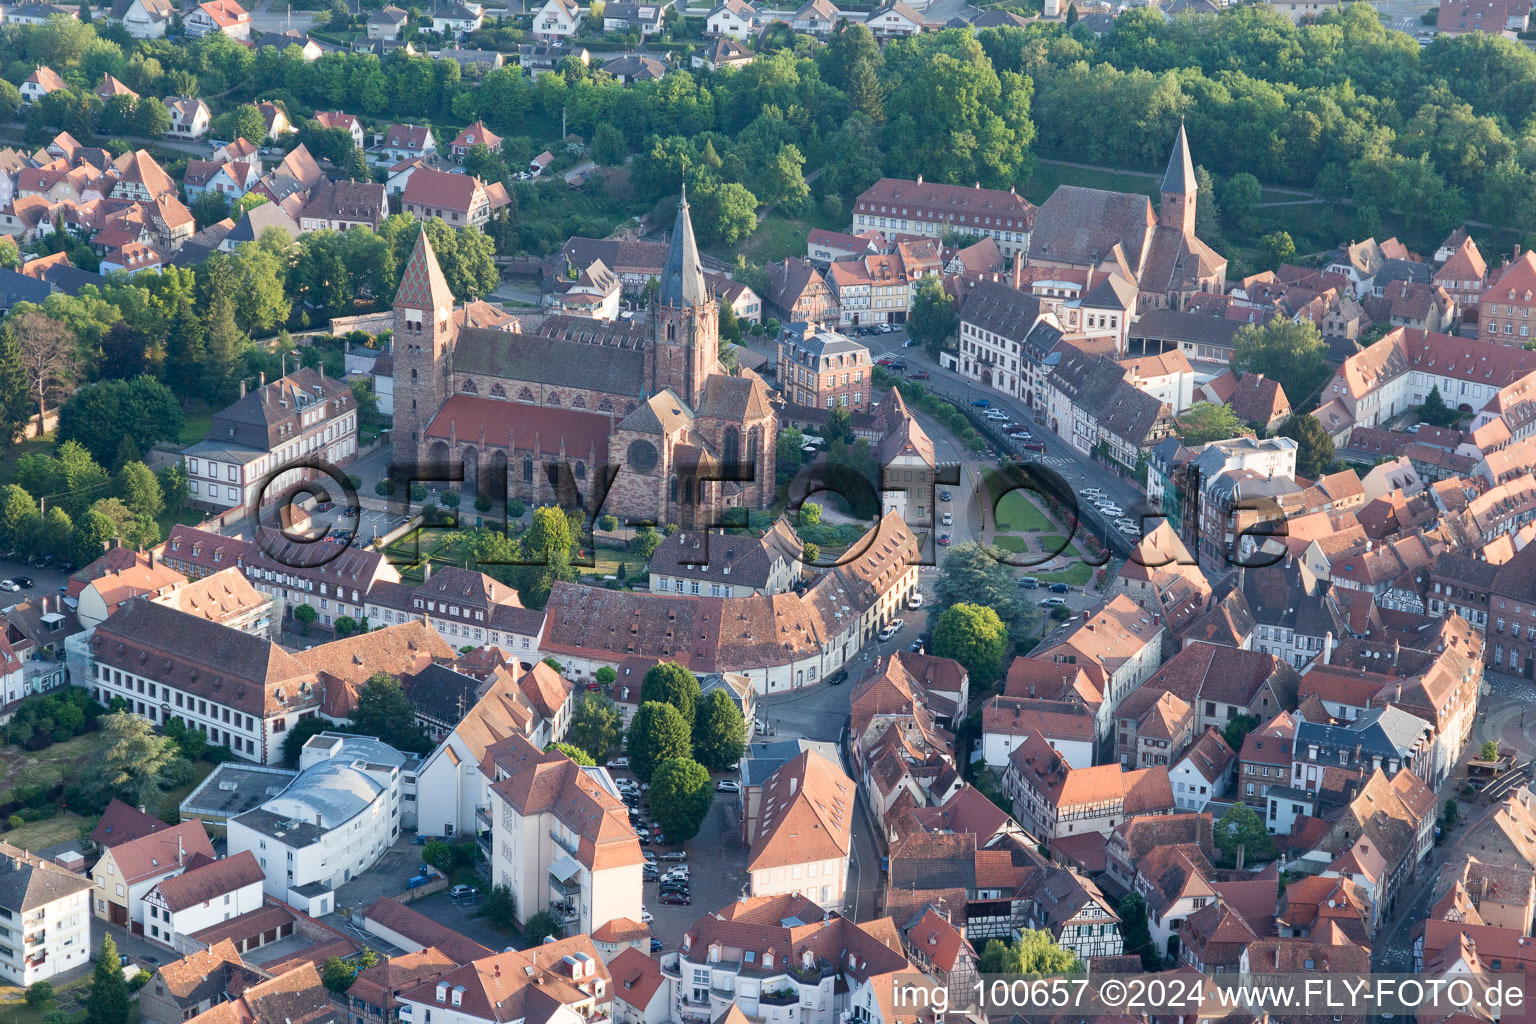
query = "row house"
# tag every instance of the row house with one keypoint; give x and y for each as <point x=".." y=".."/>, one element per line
<point x="340" y="205"/>
<point x="130" y="870"/>
<point x="1119" y="647"/>
<point x="464" y="607"/>
<point x="1213" y="684"/>
<point x="1100" y="412"/>
<point x="1385" y="739"/>
<point x="1464" y="275"/>
<point x="564" y="982"/>
<point x="1506" y="304"/>
<point x="1004" y="338"/>
<point x="822" y="370"/>
<point x="798" y="293"/>
<point x="1053" y="800"/>
<point x="1265" y="759"/>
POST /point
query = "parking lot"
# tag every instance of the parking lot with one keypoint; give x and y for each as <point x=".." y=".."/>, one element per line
<point x="717" y="861"/>
<point x="44" y="581"/>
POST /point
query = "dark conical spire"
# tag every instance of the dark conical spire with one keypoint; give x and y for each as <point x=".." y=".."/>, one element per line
<point x="1180" y="178"/>
<point x="682" y="278"/>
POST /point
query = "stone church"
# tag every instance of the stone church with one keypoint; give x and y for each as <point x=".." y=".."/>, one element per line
<point x="548" y="400"/>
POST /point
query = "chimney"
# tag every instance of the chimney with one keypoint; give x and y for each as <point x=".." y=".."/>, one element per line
<point x="1018" y="270"/>
<point x="181" y="850"/>
<point x="1328" y="648"/>
<point x="426" y="572"/>
<point x="261" y="378"/>
<point x="242" y="389"/>
<point x="920" y="181"/>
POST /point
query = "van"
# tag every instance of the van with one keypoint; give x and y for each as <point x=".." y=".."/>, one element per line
<point x="1029" y="582"/>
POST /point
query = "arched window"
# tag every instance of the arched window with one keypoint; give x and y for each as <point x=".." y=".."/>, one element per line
<point x="672" y="489"/>
<point x="525" y="395"/>
<point x="688" y="491"/>
<point x="527" y="469"/>
<point x="754" y="446"/>
<point x="471" y="388"/>
<point x="552" y="399"/>
<point x="605" y="406"/>
<point x="732" y="452"/>
<point x="671" y="331"/>
<point x="413" y="375"/>
<point x="497" y="391"/>
<point x="629" y="407"/>
<point x="581" y="470"/>
<point x="578" y="402"/>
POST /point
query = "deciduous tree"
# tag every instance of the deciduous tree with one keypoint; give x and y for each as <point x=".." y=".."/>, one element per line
<point x="672" y="684"/>
<point x="974" y="636"/>
<point x="719" y="731"/>
<point x="680" y="797"/>
<point x="658" y="733"/>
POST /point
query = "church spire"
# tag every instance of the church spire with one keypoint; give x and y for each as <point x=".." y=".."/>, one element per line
<point x="1180" y="177"/>
<point x="682" y="277"/>
<point x="422" y="285"/>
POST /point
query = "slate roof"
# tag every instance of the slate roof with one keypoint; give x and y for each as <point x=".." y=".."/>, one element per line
<point x="28" y="882"/>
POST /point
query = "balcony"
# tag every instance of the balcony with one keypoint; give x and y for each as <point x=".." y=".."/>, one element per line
<point x="566" y="911"/>
<point x="484" y="814"/>
<point x="564" y="844"/>
<point x="37" y="938"/>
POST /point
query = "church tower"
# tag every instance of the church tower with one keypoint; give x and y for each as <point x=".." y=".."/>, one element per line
<point x="423" y="348"/>
<point x="1177" y="209"/>
<point x="685" y="322"/>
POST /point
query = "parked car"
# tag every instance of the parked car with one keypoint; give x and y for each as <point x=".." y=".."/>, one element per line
<point x="915" y="601"/>
<point x="945" y="496"/>
<point x="681" y="871"/>
<point x="649" y="873"/>
<point x="943" y="540"/>
<point x="1032" y="446"/>
<point x="676" y="885"/>
<point x="948" y="519"/>
<point x="1052" y="602"/>
<point x="9" y="586"/>
<point x="888" y="632"/>
<point x="676" y="854"/>
<point x="619" y="762"/>
<point x="900" y="364"/>
<point x="1091" y="493"/>
<point x="915" y="647"/>
<point x="646" y="917"/>
<point x="656" y="946"/>
<point x="1059" y="588"/>
<point x="460" y="892"/>
<point x="982" y="403"/>
<point x="996" y="415"/>
<point x="885" y="361"/>
<point x="837" y="678"/>
<point x="676" y="899"/>
<point x="728" y="786"/>
<point x="1029" y="582"/>
<point x="918" y="375"/>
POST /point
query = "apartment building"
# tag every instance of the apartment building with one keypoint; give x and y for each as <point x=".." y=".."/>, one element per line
<point x="823" y="370"/>
<point x="330" y="824"/>
<point x="561" y="838"/>
<point x="45" y="918"/>
<point x="1005" y="336"/>
<point x="251" y="444"/>
<point x="803" y="832"/>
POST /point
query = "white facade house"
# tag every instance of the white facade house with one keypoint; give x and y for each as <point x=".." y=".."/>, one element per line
<point x="329" y="824"/>
<point x="145" y="19"/>
<point x="46" y="914"/>
<point x="561" y="839"/>
<point x="733" y="18"/>
<point x="556" y="20"/>
<point x="204" y="895"/>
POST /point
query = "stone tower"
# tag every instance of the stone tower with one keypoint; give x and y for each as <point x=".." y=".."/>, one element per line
<point x="1177" y="209"/>
<point x="423" y="349"/>
<point x="685" y="322"/>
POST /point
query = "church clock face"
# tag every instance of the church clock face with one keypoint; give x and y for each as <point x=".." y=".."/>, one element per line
<point x="641" y="456"/>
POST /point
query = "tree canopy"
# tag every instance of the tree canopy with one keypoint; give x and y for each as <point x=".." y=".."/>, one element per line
<point x="658" y="733"/>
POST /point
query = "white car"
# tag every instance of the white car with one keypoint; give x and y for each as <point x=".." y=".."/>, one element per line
<point x="949" y="519"/>
<point x="915" y="601"/>
<point x="1091" y="493"/>
<point x="728" y="786"/>
<point x="619" y="762"/>
<point x="9" y="586"/>
<point x="996" y="414"/>
<point x="888" y="632"/>
<point x="646" y="917"/>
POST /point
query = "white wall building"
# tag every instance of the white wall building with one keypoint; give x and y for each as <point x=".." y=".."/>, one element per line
<point x="45" y="918"/>
<point x="201" y="897"/>
<point x="330" y="824"/>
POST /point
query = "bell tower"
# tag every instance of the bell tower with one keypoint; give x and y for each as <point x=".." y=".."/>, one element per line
<point x="1176" y="209"/>
<point x="685" y="321"/>
<point x="423" y="349"/>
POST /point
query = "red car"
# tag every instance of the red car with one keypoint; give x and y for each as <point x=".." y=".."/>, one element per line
<point x="944" y="539"/>
<point x="1033" y="446"/>
<point x="595" y="687"/>
<point x="677" y="899"/>
<point x="885" y="361"/>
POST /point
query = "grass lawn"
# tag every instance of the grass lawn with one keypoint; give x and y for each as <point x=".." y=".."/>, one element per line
<point x="14" y="1009"/>
<point x="1056" y="542"/>
<point x="35" y="835"/>
<point x="169" y="807"/>
<point x="13" y="453"/>
<point x="1008" y="542"/>
<point x="195" y="427"/>
<point x="1077" y="575"/>
<point x="1018" y="513"/>
<point x="1047" y="176"/>
<point x="778" y="236"/>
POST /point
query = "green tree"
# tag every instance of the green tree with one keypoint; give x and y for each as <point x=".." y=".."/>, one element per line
<point x="136" y="761"/>
<point x="243" y="122"/>
<point x="658" y="733"/>
<point x="305" y="615"/>
<point x="540" y="927"/>
<point x="439" y="854"/>
<point x="299" y="734"/>
<point x="186" y="349"/>
<point x="723" y="213"/>
<point x="92" y="535"/>
<point x="1490" y="751"/>
<point x="645" y="541"/>
<point x="1204" y="422"/>
<point x="933" y="319"/>
<point x="975" y="637"/>
<point x="1293" y="353"/>
<point x="596" y="725"/>
<point x="337" y="975"/>
<point x="1136" y="932"/>
<point x="10" y="256"/>
<point x="1240" y="201"/>
<point x="680" y="797"/>
<point x="140" y="489"/>
<point x="671" y="683"/>
<point x="1434" y="410"/>
<point x="108" y="1001"/>
<point x="499" y="907"/>
<point x="383" y="710"/>
<point x="1034" y="952"/>
<point x="971" y="573"/>
<point x="1278" y="249"/>
<point x="101" y="415"/>
<point x="48" y="356"/>
<point x="810" y="513"/>
<point x="151" y="118"/>
<point x="719" y="731"/>
<point x="608" y="146"/>
<point x="576" y="754"/>
<point x="1314" y="448"/>
<point x="56" y="534"/>
<point x="1241" y="827"/>
<point x="18" y="517"/>
<point x="605" y="676"/>
<point x="38" y="993"/>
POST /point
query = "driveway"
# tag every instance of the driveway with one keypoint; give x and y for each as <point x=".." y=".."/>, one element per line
<point x="460" y="916"/>
<point x="717" y="862"/>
